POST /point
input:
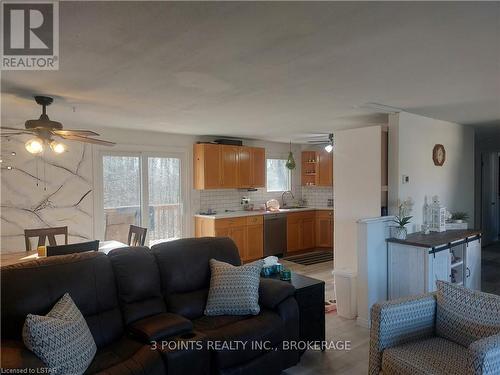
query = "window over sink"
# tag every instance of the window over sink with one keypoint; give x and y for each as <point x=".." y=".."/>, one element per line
<point x="278" y="175"/>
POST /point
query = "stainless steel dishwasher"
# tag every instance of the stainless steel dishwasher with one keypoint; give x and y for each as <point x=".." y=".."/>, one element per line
<point x="274" y="234"/>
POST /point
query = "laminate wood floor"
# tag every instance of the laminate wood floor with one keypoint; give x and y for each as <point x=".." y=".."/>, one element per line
<point x="354" y="361"/>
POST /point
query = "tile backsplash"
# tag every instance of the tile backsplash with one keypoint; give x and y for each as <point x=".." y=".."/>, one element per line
<point x="230" y="199"/>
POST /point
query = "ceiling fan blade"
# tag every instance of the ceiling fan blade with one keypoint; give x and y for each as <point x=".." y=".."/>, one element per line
<point x="15" y="133"/>
<point x="9" y="128"/>
<point x="87" y="140"/>
<point x="75" y="132"/>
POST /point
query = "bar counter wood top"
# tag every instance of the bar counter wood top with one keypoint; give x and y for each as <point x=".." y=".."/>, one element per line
<point x="436" y="239"/>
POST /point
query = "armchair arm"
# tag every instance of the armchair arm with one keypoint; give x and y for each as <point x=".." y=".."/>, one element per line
<point x="399" y="321"/>
<point x="272" y="292"/>
<point x="485" y="356"/>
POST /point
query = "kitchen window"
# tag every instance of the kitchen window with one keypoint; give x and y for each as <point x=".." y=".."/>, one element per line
<point x="278" y="175"/>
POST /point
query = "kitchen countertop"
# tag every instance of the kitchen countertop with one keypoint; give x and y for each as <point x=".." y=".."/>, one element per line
<point x="435" y="239"/>
<point x="223" y="215"/>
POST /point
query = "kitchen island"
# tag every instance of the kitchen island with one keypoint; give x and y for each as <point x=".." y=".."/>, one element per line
<point x="415" y="263"/>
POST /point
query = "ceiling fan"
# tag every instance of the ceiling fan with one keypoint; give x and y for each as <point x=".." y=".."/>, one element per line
<point x="45" y="130"/>
<point x="326" y="140"/>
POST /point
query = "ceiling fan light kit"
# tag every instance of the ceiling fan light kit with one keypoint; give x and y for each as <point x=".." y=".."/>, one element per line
<point x="34" y="146"/>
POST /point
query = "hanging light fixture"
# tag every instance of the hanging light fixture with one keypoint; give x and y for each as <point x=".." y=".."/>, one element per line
<point x="290" y="162"/>
<point x="34" y="146"/>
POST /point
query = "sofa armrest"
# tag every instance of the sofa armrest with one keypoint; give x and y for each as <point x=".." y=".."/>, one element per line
<point x="14" y="355"/>
<point x="160" y="326"/>
<point x="485" y="356"/>
<point x="399" y="321"/>
<point x="272" y="292"/>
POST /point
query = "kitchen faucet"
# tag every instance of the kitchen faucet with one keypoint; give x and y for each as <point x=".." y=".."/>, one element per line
<point x="288" y="192"/>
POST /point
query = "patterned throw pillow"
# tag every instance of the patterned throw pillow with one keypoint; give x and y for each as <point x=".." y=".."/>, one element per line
<point x="61" y="339"/>
<point x="464" y="315"/>
<point x="234" y="290"/>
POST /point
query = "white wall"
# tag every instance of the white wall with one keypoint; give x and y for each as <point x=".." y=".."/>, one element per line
<point x="411" y="141"/>
<point x="357" y="184"/>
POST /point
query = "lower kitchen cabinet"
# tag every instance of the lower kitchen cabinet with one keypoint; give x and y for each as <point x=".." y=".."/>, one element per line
<point x="324" y="228"/>
<point x="300" y="231"/>
<point x="246" y="232"/>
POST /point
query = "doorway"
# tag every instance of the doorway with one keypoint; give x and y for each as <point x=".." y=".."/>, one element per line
<point x="490" y="197"/>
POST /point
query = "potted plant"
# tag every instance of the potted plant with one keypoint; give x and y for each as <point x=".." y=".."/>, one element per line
<point x="402" y="219"/>
<point x="459" y="217"/>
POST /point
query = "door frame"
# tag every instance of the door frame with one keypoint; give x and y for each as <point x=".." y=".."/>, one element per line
<point x="138" y="151"/>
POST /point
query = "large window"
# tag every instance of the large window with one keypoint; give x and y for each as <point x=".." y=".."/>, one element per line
<point x="278" y="175"/>
<point x="142" y="190"/>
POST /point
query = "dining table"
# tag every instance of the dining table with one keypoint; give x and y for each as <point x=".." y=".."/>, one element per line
<point x="24" y="256"/>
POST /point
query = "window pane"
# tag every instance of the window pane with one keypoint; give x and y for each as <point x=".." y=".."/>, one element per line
<point x="278" y="175"/>
<point x="165" y="209"/>
<point x="122" y="195"/>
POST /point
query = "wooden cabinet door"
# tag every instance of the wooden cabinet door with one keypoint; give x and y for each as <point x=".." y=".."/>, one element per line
<point x="323" y="229"/>
<point x="229" y="166"/>
<point x="255" y="242"/>
<point x="258" y="167"/>
<point x="238" y="235"/>
<point x="308" y="234"/>
<point x="325" y="169"/>
<point x="293" y="233"/>
<point x="223" y="232"/>
<point x="245" y="170"/>
<point x="211" y="166"/>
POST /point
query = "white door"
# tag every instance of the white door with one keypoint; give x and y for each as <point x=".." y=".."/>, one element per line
<point x="489" y="197"/>
<point x="439" y="268"/>
<point x="473" y="265"/>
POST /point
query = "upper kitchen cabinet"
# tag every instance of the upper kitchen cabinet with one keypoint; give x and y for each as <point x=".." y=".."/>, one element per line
<point x="317" y="168"/>
<point x="252" y="173"/>
<point x="228" y="167"/>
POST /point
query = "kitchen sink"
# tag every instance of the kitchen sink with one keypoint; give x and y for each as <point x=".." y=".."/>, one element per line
<point x="292" y="207"/>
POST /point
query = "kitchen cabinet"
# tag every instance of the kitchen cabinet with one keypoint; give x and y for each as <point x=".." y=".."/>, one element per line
<point x="246" y="232"/>
<point x="317" y="168"/>
<point x="325" y="169"/>
<point x="324" y="228"/>
<point x="415" y="264"/>
<point x="252" y="169"/>
<point x="228" y="167"/>
<point x="300" y="230"/>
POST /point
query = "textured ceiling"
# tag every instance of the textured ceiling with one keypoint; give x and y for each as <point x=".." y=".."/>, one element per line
<point x="265" y="70"/>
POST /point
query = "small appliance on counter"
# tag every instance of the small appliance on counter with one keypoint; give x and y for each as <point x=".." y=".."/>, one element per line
<point x="245" y="202"/>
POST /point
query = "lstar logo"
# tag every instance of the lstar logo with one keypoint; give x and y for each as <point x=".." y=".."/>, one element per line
<point x="30" y="35"/>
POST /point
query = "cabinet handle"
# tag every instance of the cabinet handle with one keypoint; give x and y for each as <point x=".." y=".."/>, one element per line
<point x="468" y="272"/>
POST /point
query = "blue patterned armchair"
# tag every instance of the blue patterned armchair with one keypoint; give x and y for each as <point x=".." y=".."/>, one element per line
<point x="453" y="331"/>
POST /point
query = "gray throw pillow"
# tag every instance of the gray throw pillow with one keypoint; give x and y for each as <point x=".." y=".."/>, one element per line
<point x="464" y="315"/>
<point x="234" y="290"/>
<point x="61" y="339"/>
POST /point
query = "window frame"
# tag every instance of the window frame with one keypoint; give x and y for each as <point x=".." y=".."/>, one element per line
<point x="289" y="178"/>
<point x="99" y="227"/>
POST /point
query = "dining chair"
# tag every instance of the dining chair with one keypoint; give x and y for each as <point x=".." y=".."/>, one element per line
<point x="73" y="248"/>
<point x="43" y="234"/>
<point x="136" y="235"/>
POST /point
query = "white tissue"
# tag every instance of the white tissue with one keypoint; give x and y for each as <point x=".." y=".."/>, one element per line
<point x="270" y="261"/>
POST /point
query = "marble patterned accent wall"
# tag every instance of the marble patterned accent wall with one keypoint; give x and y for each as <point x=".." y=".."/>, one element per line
<point x="63" y="196"/>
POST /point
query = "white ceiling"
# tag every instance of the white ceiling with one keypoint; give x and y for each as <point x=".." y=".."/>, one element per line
<point x="271" y="71"/>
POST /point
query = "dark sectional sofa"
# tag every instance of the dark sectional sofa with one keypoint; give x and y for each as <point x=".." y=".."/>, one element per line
<point x="134" y="296"/>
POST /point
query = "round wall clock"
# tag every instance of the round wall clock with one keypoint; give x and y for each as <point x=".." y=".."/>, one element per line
<point x="438" y="155"/>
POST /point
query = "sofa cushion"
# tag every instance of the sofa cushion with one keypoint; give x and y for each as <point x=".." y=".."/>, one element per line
<point x="61" y="339"/>
<point x="126" y="356"/>
<point x="265" y="327"/>
<point x="464" y="315"/>
<point x="185" y="271"/>
<point x="87" y="277"/>
<point x="138" y="282"/>
<point x="431" y="356"/>
<point x="234" y="290"/>
<point x="157" y="327"/>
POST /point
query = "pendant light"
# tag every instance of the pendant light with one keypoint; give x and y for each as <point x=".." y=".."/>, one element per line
<point x="290" y="162"/>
